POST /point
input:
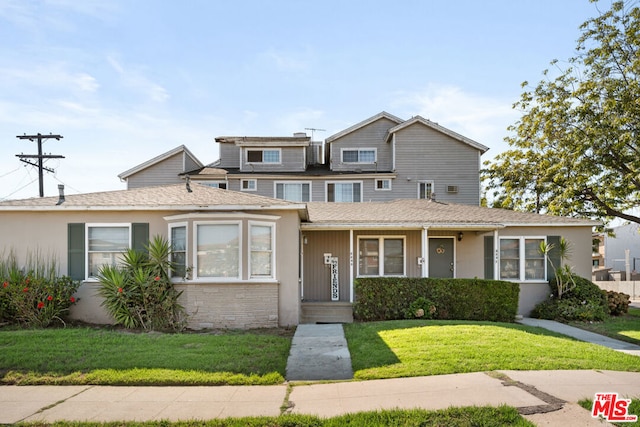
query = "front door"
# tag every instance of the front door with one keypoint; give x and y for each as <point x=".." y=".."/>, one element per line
<point x="441" y="257"/>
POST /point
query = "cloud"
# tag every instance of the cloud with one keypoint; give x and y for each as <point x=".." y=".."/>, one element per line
<point x="134" y="78"/>
<point x="481" y="118"/>
<point x="288" y="61"/>
<point x="54" y="76"/>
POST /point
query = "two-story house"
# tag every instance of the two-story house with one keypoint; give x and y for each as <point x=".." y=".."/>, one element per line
<point x="381" y="158"/>
<point x="266" y="240"/>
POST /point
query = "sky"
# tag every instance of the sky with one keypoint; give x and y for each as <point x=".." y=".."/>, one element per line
<point x="126" y="80"/>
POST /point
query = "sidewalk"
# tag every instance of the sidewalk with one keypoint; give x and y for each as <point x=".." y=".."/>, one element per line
<point x="546" y="397"/>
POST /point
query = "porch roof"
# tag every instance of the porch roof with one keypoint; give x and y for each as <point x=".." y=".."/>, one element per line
<point x="425" y="213"/>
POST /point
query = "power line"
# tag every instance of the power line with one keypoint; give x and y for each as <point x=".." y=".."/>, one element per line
<point x="40" y="157"/>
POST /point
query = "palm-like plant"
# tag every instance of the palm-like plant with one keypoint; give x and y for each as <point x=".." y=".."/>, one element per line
<point x="139" y="292"/>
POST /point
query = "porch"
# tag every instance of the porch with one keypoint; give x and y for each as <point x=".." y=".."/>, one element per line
<point x="326" y="312"/>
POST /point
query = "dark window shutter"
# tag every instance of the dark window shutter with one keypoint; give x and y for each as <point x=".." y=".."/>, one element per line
<point x="488" y="257"/>
<point x="139" y="236"/>
<point x="554" y="256"/>
<point x="76" y="251"/>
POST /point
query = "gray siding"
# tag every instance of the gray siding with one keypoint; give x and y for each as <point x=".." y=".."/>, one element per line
<point x="189" y="164"/>
<point x="292" y="159"/>
<point x="229" y="156"/>
<point x="425" y="154"/>
<point x="370" y="136"/>
<point x="162" y="173"/>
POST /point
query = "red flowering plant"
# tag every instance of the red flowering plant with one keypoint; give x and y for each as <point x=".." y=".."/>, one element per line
<point x="139" y="292"/>
<point x="35" y="295"/>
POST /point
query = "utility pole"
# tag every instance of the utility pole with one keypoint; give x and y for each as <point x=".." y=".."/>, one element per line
<point x="25" y="157"/>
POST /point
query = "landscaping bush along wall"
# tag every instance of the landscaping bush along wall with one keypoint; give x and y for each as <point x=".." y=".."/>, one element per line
<point x="386" y="298"/>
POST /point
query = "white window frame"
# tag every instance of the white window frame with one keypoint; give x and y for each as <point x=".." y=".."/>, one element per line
<point x="102" y="225"/>
<point x="359" y="150"/>
<point x="263" y="150"/>
<point x="381" y="239"/>
<point x="214" y="184"/>
<point x="375" y="186"/>
<point x="522" y="260"/>
<point x="186" y="246"/>
<point x="276" y="183"/>
<point x="196" y="276"/>
<point x="326" y="189"/>
<point x="432" y="189"/>
<point x="273" y="250"/>
<point x="249" y="187"/>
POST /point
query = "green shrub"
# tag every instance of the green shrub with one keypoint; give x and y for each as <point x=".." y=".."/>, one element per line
<point x="421" y="308"/>
<point x="387" y="298"/>
<point x="585" y="302"/>
<point x="618" y="303"/>
<point x="140" y="294"/>
<point x="34" y="296"/>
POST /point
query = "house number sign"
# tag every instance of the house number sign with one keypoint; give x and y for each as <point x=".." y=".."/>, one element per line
<point x="335" y="285"/>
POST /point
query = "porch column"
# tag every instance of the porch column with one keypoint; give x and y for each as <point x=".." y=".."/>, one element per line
<point x="351" y="266"/>
<point x="496" y="255"/>
<point x="425" y="252"/>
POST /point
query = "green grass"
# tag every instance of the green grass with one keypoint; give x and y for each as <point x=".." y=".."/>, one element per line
<point x="624" y="328"/>
<point x="115" y="357"/>
<point x="453" y="417"/>
<point x="414" y="348"/>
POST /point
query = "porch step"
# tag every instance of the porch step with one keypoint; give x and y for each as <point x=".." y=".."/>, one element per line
<point x="326" y="312"/>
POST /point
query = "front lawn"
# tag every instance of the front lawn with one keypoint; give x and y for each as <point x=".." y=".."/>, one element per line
<point x="411" y="348"/>
<point x="117" y="357"/>
<point x="625" y="327"/>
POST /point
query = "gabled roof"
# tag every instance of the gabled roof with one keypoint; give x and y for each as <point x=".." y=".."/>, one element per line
<point x="265" y="141"/>
<point x="414" y="213"/>
<point x="364" y="123"/>
<point x="142" y="166"/>
<point x="166" y="197"/>
<point x="441" y="129"/>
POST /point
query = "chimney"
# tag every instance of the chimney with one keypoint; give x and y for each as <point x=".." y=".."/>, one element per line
<point x="61" y="191"/>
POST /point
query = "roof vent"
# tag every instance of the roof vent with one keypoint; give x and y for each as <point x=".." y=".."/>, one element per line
<point x="61" y="191"/>
<point x="188" y="184"/>
<point x="433" y="197"/>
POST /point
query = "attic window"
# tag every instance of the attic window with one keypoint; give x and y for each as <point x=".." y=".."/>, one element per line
<point x="263" y="156"/>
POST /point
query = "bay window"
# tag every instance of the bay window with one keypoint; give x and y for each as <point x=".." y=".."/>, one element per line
<point x="218" y="250"/>
<point x="178" y="240"/>
<point x="261" y="247"/>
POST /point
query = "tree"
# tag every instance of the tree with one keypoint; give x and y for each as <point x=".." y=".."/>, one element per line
<point x="576" y="150"/>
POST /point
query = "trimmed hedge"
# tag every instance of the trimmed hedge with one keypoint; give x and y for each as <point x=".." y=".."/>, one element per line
<point x="387" y="298"/>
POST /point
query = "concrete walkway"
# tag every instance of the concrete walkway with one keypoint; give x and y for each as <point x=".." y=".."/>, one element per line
<point x="319" y="352"/>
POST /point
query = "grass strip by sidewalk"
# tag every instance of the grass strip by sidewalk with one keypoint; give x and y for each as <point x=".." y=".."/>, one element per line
<point x="624" y="328"/>
<point x="115" y="357"/>
<point x="429" y="347"/>
<point x="452" y="417"/>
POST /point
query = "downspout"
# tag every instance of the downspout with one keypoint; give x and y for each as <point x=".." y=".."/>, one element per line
<point x="425" y="251"/>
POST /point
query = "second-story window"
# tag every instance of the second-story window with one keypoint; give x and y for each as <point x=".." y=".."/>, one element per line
<point x="425" y="189"/>
<point x="358" y="155"/>
<point x="344" y="192"/>
<point x="293" y="191"/>
<point x="263" y="156"/>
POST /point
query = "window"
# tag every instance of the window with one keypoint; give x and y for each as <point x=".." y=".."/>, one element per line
<point x="383" y="184"/>
<point x="249" y="185"/>
<point x="218" y="250"/>
<point x="344" y="192"/>
<point x="381" y="256"/>
<point x="105" y="244"/>
<point x="521" y="259"/>
<point x="178" y="240"/>
<point x="360" y="155"/>
<point x="263" y="156"/>
<point x="425" y="189"/>
<point x="214" y="184"/>
<point x="293" y="191"/>
<point x="261" y="247"/>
